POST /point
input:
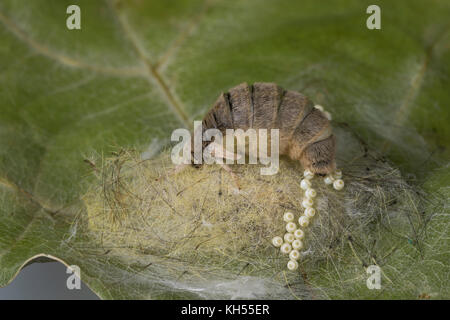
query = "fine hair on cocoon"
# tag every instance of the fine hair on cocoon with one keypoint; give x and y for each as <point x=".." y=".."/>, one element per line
<point x="208" y="239"/>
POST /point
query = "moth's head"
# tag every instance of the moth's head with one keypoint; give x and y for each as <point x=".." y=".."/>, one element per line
<point x="319" y="157"/>
<point x="322" y="168"/>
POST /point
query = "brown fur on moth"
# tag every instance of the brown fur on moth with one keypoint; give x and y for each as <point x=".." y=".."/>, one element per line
<point x="305" y="132"/>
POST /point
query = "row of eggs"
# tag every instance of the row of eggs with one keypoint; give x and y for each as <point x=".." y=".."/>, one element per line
<point x="292" y="242"/>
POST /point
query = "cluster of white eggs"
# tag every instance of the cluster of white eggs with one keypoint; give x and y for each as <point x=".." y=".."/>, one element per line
<point x="292" y="243"/>
<point x="335" y="179"/>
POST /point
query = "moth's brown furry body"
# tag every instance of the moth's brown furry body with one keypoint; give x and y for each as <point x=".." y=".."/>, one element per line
<point x="305" y="132"/>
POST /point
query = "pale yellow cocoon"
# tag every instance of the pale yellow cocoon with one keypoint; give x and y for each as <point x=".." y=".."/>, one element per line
<point x="196" y="224"/>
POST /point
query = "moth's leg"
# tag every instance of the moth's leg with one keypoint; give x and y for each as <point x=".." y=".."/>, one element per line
<point x="219" y="152"/>
<point x="233" y="175"/>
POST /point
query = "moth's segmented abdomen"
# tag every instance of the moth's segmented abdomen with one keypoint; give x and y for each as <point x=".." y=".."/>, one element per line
<point x="267" y="99"/>
<point x="267" y="106"/>
<point x="220" y="115"/>
<point x="245" y="106"/>
<point x="241" y="106"/>
<point x="305" y="132"/>
<point x="261" y="105"/>
<point x="293" y="110"/>
<point x="314" y="127"/>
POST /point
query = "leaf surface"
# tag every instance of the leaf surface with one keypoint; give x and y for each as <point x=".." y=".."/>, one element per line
<point x="139" y="69"/>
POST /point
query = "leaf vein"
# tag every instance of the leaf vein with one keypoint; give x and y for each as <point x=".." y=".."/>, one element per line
<point x="61" y="58"/>
<point x="183" y="36"/>
<point x="152" y="74"/>
<point x="402" y="112"/>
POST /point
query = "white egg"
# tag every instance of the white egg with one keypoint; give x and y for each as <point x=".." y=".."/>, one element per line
<point x="337" y="174"/>
<point x="290" y="227"/>
<point x="292" y="265"/>
<point x="310" y="212"/>
<point x="305" y="184"/>
<point x="294" y="255"/>
<point x="319" y="107"/>
<point x="289" y="237"/>
<point x="297" y="244"/>
<point x="277" y="241"/>
<point x="338" y="184"/>
<point x="308" y="174"/>
<point x="303" y="221"/>
<point x="328" y="179"/>
<point x="299" y="234"/>
<point x="310" y="193"/>
<point x="286" y="248"/>
<point x="288" y="217"/>
<point x="307" y="203"/>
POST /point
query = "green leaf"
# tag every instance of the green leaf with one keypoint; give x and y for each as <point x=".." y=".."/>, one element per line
<point x="139" y="69"/>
